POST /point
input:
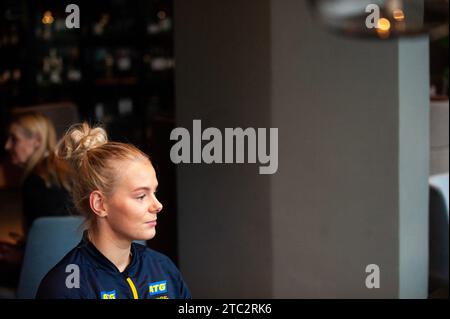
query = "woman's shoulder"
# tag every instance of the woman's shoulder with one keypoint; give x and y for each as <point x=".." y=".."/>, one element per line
<point x="152" y="255"/>
<point x="59" y="282"/>
<point x="33" y="180"/>
<point x="34" y="189"/>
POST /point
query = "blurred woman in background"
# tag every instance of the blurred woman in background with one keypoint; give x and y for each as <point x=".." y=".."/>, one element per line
<point x="45" y="183"/>
<point x="46" y="179"/>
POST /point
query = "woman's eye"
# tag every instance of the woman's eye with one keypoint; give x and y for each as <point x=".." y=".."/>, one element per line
<point x="141" y="197"/>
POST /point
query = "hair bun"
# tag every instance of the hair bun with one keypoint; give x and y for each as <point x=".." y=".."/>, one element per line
<point x="78" y="140"/>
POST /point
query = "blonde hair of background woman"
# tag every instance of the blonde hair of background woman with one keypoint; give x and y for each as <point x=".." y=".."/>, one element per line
<point x="43" y="161"/>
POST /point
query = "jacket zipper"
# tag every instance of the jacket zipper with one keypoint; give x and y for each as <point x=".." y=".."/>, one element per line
<point x="133" y="288"/>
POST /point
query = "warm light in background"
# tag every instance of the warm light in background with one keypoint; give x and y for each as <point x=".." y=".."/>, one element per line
<point x="383" y="28"/>
<point x="349" y="17"/>
<point x="47" y="18"/>
<point x="398" y="15"/>
<point x="384" y="24"/>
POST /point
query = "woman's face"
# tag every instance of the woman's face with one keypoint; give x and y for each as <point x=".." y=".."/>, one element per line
<point x="20" y="145"/>
<point x="133" y="207"/>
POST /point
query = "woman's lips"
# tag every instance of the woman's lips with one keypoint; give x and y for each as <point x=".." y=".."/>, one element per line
<point x="151" y="223"/>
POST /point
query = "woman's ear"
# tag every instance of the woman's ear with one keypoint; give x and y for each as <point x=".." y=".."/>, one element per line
<point x="97" y="203"/>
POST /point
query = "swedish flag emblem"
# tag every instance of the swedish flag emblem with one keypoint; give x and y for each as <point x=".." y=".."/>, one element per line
<point x="156" y="288"/>
<point x="108" y="294"/>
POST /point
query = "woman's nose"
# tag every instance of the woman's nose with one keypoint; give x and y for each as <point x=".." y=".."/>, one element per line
<point x="8" y="144"/>
<point x="156" y="206"/>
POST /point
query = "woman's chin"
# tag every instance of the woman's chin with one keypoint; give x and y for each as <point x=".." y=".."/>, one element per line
<point x="15" y="161"/>
<point x="147" y="235"/>
<point x="18" y="163"/>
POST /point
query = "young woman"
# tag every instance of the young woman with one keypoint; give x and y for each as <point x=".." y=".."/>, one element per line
<point x="115" y="188"/>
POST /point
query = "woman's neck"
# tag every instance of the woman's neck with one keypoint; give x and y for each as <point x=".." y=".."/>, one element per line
<point x="117" y="250"/>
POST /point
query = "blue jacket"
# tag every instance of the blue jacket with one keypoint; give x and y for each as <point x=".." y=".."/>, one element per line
<point x="150" y="275"/>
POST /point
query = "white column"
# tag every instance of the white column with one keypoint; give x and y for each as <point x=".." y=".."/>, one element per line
<point x="353" y="132"/>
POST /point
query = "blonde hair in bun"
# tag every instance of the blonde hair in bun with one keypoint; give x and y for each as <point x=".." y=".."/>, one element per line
<point x="95" y="161"/>
<point x="79" y="139"/>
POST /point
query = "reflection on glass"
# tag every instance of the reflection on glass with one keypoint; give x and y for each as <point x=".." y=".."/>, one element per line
<point x="383" y="18"/>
